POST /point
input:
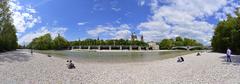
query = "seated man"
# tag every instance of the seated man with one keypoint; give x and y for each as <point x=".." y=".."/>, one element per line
<point x="180" y="59"/>
<point x="70" y="65"/>
<point x="198" y="54"/>
<point x="49" y="56"/>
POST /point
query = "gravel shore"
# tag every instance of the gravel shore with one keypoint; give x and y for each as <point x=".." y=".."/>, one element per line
<point x="20" y="67"/>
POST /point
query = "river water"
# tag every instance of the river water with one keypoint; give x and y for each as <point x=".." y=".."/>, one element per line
<point x="115" y="57"/>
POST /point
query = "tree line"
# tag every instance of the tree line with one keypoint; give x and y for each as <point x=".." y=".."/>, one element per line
<point x="227" y="34"/>
<point x="178" y="41"/>
<point x="107" y="42"/>
<point x="45" y="42"/>
<point x="8" y="38"/>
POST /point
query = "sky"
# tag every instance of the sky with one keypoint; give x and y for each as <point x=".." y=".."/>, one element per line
<point x="117" y="19"/>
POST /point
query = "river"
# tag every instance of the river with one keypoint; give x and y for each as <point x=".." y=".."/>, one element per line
<point x="115" y="57"/>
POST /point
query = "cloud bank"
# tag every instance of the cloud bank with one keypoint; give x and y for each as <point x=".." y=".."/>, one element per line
<point x="186" y="18"/>
<point x="119" y="32"/>
<point x="54" y="31"/>
<point x="23" y="16"/>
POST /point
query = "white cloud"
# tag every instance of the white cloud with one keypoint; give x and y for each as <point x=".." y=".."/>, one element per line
<point x="229" y="9"/>
<point x="116" y="9"/>
<point x="95" y="32"/>
<point x="82" y="23"/>
<point x="141" y="2"/>
<point x="114" y="5"/>
<point x="185" y="18"/>
<point x="101" y="5"/>
<point x="54" y="31"/>
<point x="120" y="32"/>
<point x="23" y="16"/>
<point x="98" y="7"/>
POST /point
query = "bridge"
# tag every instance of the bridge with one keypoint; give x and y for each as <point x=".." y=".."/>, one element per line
<point x="186" y="47"/>
<point x="110" y="47"/>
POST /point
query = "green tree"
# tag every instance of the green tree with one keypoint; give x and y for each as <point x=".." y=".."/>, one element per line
<point x="8" y="38"/>
<point x="60" y="43"/>
<point x="169" y="43"/>
<point x="166" y="44"/>
<point x="179" y="41"/>
<point x="227" y="34"/>
<point x="42" y="43"/>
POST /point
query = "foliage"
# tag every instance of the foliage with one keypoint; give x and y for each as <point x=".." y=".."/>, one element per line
<point x="45" y="42"/>
<point x="8" y="38"/>
<point x="166" y="44"/>
<point x="179" y="41"/>
<point x="107" y="42"/>
<point x="60" y="43"/>
<point x="42" y="43"/>
<point x="227" y="34"/>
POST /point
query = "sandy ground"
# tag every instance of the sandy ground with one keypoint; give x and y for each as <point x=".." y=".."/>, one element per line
<point x="20" y="67"/>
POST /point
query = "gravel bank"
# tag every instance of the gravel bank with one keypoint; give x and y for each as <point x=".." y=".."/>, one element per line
<point x="22" y="68"/>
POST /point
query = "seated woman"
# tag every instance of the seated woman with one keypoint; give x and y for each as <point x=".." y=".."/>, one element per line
<point x="70" y="65"/>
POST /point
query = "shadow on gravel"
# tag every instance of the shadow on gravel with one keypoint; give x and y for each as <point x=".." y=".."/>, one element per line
<point x="235" y="60"/>
<point x="14" y="56"/>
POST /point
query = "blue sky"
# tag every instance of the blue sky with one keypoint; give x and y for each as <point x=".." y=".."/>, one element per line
<point x="115" y="19"/>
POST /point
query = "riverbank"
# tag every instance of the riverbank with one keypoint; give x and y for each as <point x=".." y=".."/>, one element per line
<point x="22" y="67"/>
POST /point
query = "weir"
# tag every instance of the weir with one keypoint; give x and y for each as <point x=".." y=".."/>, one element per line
<point x="110" y="47"/>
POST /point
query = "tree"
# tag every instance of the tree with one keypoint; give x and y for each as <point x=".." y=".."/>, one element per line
<point x="166" y="44"/>
<point x="169" y="43"/>
<point x="42" y="43"/>
<point x="179" y="41"/>
<point x="227" y="34"/>
<point x="60" y="43"/>
<point x="8" y="38"/>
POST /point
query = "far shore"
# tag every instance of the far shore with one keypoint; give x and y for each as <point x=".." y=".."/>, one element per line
<point x="22" y="67"/>
<point x="136" y="50"/>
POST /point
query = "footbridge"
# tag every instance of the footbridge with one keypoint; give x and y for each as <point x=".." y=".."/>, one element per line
<point x="186" y="47"/>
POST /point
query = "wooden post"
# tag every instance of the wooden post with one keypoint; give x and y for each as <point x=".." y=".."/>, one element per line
<point x="120" y="47"/>
<point x="139" y="48"/>
<point x="110" y="47"/>
<point x="80" y="47"/>
<point x="89" y="47"/>
<point x="99" y="47"/>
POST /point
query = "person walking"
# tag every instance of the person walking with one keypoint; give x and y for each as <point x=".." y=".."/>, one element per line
<point x="31" y="51"/>
<point x="229" y="55"/>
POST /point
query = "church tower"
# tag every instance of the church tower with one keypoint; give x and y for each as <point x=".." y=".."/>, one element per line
<point x="133" y="36"/>
<point x="142" y="39"/>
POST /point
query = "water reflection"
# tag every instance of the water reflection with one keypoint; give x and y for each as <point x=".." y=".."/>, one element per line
<point x="115" y="57"/>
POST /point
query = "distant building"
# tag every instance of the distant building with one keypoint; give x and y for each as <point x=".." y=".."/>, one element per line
<point x="98" y="38"/>
<point x="142" y="38"/>
<point x="133" y="36"/>
<point x="153" y="45"/>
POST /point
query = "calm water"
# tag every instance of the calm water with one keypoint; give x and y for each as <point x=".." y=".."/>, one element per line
<point x="115" y="57"/>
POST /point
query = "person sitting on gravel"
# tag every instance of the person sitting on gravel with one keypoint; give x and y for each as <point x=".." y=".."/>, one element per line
<point x="198" y="54"/>
<point x="180" y="59"/>
<point x="49" y="56"/>
<point x="70" y="65"/>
